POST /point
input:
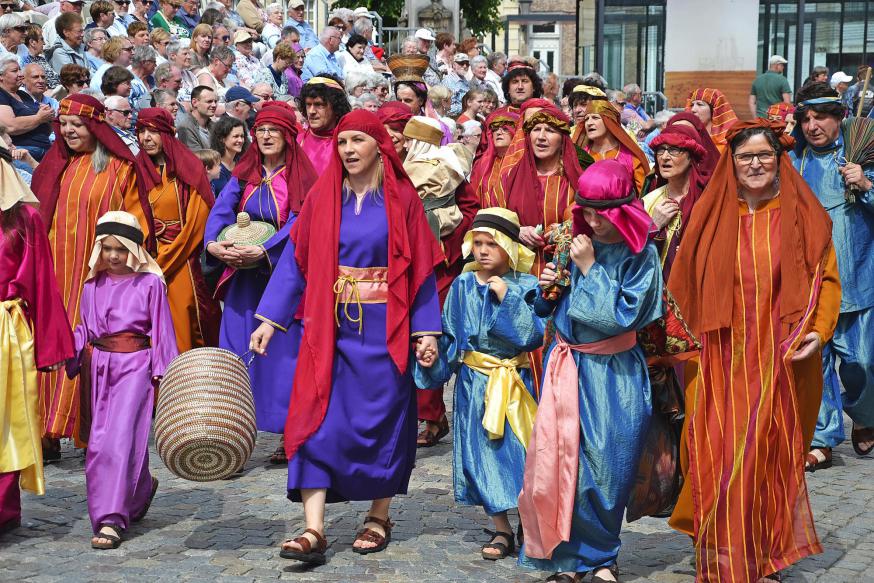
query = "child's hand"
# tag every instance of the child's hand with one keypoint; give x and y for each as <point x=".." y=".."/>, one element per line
<point x="548" y="276"/>
<point x="261" y="338"/>
<point x="426" y="351"/>
<point x="498" y="286"/>
<point x="582" y="253"/>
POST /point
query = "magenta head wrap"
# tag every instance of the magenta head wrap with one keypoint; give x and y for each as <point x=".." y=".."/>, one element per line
<point x="607" y="187"/>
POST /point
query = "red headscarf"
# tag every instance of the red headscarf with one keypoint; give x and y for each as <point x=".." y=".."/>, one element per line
<point x="180" y="161"/>
<point x="712" y="156"/>
<point x="702" y="163"/>
<point x="299" y="172"/>
<point x="722" y="116"/>
<point x="522" y="189"/>
<point x="780" y="110"/>
<point x="607" y="187"/>
<point x="413" y="253"/>
<point x="395" y="115"/>
<point x="482" y="166"/>
<point x="702" y="276"/>
<point x="46" y="182"/>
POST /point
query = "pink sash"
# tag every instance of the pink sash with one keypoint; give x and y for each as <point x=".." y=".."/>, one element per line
<point x="546" y="502"/>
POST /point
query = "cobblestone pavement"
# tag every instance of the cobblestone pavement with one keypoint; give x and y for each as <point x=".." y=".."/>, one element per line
<point x="230" y="531"/>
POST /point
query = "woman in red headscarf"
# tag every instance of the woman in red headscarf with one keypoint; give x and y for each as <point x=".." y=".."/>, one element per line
<point x="539" y="171"/>
<point x="756" y="279"/>
<point x="394" y="116"/>
<point x="269" y="183"/>
<point x="714" y="111"/>
<point x="364" y="253"/>
<point x="87" y="172"/>
<point x="604" y="138"/>
<point x="180" y="204"/>
<point x="499" y="131"/>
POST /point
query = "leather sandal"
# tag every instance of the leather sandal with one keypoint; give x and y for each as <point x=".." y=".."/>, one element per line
<point x="614" y="570"/>
<point x="307" y="553"/>
<point x="114" y="539"/>
<point x="277" y="458"/>
<point x="428" y="438"/>
<point x="859" y="435"/>
<point x="503" y="549"/>
<point x="818" y="458"/>
<point x="372" y="536"/>
<point x="564" y="578"/>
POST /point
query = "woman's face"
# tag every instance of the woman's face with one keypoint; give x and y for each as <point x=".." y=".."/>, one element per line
<point x="151" y="142"/>
<point x="359" y="91"/>
<point x="235" y="140"/>
<point x="408" y="97"/>
<point x="183" y="58"/>
<point x="203" y="42"/>
<point x="358" y="151"/>
<point x="39" y="43"/>
<point x="95" y="45"/>
<point x="381" y="92"/>
<point x="123" y="89"/>
<point x="502" y="137"/>
<point x="758" y="173"/>
<point x="488" y="107"/>
<point x="475" y="105"/>
<point x="672" y="162"/>
<point x="545" y="140"/>
<point x="270" y="140"/>
<point x="398" y="140"/>
<point x="357" y="51"/>
<point x="701" y="109"/>
<point x="275" y="18"/>
<point x="76" y="134"/>
<point x="12" y="78"/>
<point x="594" y="125"/>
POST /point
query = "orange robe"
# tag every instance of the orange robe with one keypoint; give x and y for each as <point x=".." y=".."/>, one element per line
<point x="84" y="197"/>
<point x="179" y="228"/>
<point x="750" y="418"/>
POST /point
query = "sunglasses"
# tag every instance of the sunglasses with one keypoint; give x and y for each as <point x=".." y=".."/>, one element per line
<point x="7" y="7"/>
<point x="82" y="82"/>
<point x="225" y="38"/>
<point x="19" y="28"/>
<point x="122" y="2"/>
<point x="124" y="112"/>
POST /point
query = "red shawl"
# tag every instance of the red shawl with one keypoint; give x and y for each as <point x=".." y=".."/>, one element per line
<point x="485" y="160"/>
<point x="395" y="115"/>
<point x="522" y="188"/>
<point x="180" y="161"/>
<point x="46" y="182"/>
<point x="413" y="254"/>
<point x="299" y="172"/>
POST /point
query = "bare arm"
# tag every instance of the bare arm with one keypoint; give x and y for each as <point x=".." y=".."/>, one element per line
<point x="787" y="97"/>
<point x="21" y="124"/>
<point x="752" y="104"/>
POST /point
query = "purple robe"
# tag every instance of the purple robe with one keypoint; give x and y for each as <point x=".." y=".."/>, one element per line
<point x="243" y="289"/>
<point x="365" y="448"/>
<point x="122" y="397"/>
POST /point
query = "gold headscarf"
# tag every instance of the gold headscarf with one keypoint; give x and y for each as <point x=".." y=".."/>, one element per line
<point x="491" y="221"/>
<point x="126" y="228"/>
<point x="13" y="189"/>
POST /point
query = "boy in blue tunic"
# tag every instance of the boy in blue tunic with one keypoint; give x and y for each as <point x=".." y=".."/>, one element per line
<point x="489" y="326"/>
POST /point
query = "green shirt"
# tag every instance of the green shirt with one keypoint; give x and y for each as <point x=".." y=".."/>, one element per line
<point x="176" y="27"/>
<point x="769" y="88"/>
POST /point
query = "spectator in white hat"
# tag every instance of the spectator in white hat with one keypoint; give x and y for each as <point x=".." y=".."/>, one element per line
<point x="840" y="81"/>
<point x="770" y="87"/>
<point x="424" y="40"/>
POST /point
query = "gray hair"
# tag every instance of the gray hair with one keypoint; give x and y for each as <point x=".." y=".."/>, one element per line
<point x="288" y="30"/>
<point x="469" y="126"/>
<point x="163" y="71"/>
<point x="479" y="59"/>
<point x="327" y="32"/>
<point x="11" y="20"/>
<point x="6" y="61"/>
<point x="366" y="98"/>
<point x="89" y="34"/>
<point x="631" y="89"/>
<point x="354" y="80"/>
<point x="410" y="40"/>
<point x="662" y="117"/>
<point x="362" y="26"/>
<point x="175" y="46"/>
<point x="495" y="58"/>
<point x="221" y="53"/>
<point x="375" y="80"/>
<point x="216" y="6"/>
<point x="100" y="158"/>
<point x="273" y="7"/>
<point x="143" y="54"/>
<point x="159" y="95"/>
<point x="113" y="101"/>
<point x="344" y="13"/>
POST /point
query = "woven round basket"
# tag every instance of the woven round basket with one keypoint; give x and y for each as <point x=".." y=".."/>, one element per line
<point x="205" y="418"/>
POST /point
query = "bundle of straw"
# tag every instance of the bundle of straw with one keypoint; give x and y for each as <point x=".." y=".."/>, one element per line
<point x="858" y="146"/>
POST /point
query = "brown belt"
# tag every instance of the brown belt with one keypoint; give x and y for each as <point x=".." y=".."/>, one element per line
<point x="124" y="342"/>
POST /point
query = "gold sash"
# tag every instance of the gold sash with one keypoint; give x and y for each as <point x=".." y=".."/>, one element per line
<point x="506" y="395"/>
<point x="359" y="285"/>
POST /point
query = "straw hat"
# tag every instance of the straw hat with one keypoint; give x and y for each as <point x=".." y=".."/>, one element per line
<point x="408" y="67"/>
<point x="247" y="232"/>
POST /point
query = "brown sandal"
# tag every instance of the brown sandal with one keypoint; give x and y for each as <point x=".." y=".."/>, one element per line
<point x="277" y="458"/>
<point x="306" y="554"/>
<point x="114" y="539"/>
<point x="371" y="536"/>
<point x="818" y="458"/>
<point x="428" y="438"/>
<point x="857" y="436"/>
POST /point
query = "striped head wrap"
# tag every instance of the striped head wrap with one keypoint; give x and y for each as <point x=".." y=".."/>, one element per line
<point x="722" y="116"/>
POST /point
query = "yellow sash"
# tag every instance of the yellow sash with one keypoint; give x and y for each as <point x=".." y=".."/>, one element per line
<point x="506" y="395"/>
<point x="20" y="424"/>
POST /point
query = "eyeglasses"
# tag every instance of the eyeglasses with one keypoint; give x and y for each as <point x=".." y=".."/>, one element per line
<point x="763" y="158"/>
<point x="128" y="49"/>
<point x="7" y="7"/>
<point x="124" y="112"/>
<point x="670" y="151"/>
<point x="264" y="132"/>
<point x="225" y="38"/>
<point x="82" y="82"/>
<point x="21" y="29"/>
<point x="123" y="2"/>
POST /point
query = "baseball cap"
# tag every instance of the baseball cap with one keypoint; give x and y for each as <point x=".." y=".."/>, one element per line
<point x="295" y="3"/>
<point x="424" y="34"/>
<point x="840" y="77"/>
<point x="237" y="93"/>
<point x="461" y="58"/>
<point x="777" y="60"/>
<point x="242" y="36"/>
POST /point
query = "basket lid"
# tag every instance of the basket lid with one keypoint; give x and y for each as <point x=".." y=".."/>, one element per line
<point x="246" y="231"/>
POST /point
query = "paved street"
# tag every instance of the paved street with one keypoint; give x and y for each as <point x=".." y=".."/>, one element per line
<point x="230" y="532"/>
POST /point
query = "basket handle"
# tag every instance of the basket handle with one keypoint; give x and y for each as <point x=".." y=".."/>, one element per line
<point x="248" y="358"/>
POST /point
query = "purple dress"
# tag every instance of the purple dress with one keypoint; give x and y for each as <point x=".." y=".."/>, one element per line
<point x="122" y="397"/>
<point x="242" y="291"/>
<point x="365" y="448"/>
